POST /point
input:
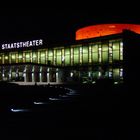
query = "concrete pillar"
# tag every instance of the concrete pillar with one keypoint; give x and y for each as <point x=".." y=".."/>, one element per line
<point x="33" y="77"/>
<point x="57" y="79"/>
<point x="10" y="73"/>
<point x="25" y="79"/>
<point x="40" y="77"/>
<point x="48" y="77"/>
<point x="25" y="74"/>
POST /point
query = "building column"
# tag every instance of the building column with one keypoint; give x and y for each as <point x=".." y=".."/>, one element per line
<point x="25" y="78"/>
<point x="25" y="74"/>
<point x="33" y="77"/>
<point x="40" y="74"/>
<point x="48" y="75"/>
<point x="40" y="77"/>
<point x="10" y="73"/>
<point x="57" y="79"/>
<point x="33" y="74"/>
<point x="3" y="75"/>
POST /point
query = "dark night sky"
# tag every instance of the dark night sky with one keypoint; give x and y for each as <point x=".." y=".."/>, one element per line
<point x="57" y="25"/>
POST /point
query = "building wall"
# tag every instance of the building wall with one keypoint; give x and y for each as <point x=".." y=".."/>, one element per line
<point x="81" y="54"/>
<point x="101" y="59"/>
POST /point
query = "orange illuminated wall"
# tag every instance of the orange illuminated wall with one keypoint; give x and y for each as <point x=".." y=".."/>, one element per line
<point x="104" y="29"/>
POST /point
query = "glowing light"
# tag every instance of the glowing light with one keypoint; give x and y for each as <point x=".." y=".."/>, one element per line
<point x="54" y="99"/>
<point x="6" y="57"/>
<point x="104" y="29"/>
<point x="71" y="74"/>
<point x="110" y="74"/>
<point x="115" y="83"/>
<point x="63" y="96"/>
<point x="89" y="74"/>
<point x="19" y="110"/>
<point x="63" y="58"/>
<point x="99" y="74"/>
<point x="40" y="103"/>
<point x="121" y="72"/>
<point x="121" y="44"/>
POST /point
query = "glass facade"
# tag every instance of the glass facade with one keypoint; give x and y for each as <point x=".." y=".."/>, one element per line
<point x="99" y="57"/>
<point x="72" y="55"/>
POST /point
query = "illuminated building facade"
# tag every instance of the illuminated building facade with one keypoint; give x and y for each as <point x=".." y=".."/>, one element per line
<point x="86" y="60"/>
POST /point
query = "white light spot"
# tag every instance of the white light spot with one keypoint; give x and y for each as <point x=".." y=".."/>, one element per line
<point x="93" y="82"/>
<point x="40" y="103"/>
<point x="115" y="83"/>
<point x="19" y="110"/>
<point x="54" y="99"/>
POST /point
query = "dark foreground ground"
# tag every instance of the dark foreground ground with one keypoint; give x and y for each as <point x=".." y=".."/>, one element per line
<point x="99" y="112"/>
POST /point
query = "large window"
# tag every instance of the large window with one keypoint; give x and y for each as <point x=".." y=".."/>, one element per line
<point x="95" y="53"/>
<point x="58" y="57"/>
<point x="50" y="57"/>
<point x="13" y="57"/>
<point x="85" y="54"/>
<point x="20" y="57"/>
<point x="116" y="73"/>
<point x="27" y="57"/>
<point x="6" y="58"/>
<point x="42" y="57"/>
<point x="76" y="55"/>
<point x="67" y="56"/>
<point x="34" y="57"/>
<point x="105" y="53"/>
<point x="116" y="51"/>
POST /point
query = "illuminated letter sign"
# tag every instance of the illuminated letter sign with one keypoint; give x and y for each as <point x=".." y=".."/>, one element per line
<point x="22" y="44"/>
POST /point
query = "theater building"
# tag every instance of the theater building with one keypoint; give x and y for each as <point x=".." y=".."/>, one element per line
<point x="96" y="53"/>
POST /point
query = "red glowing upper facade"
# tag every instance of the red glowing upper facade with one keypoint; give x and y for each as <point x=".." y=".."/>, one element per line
<point x="104" y="29"/>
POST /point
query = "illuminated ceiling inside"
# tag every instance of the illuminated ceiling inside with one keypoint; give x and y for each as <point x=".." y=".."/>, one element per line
<point x="104" y="29"/>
